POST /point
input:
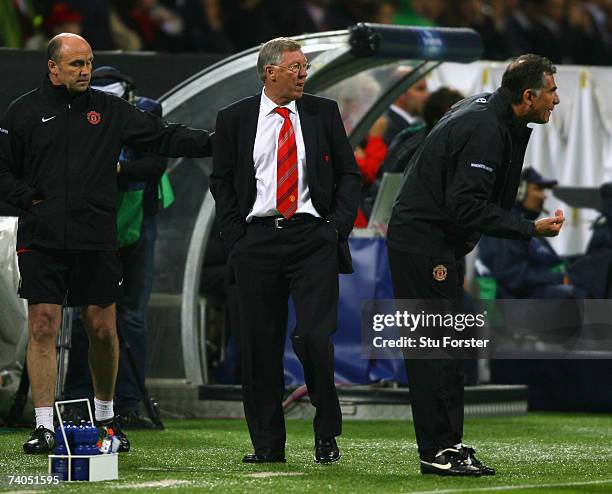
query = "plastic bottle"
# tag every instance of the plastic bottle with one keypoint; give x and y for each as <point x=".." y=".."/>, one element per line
<point x="80" y="466"/>
<point x="59" y="438"/>
<point x="59" y="466"/>
<point x="69" y="429"/>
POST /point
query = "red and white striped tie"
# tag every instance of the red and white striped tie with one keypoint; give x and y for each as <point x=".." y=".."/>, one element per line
<point x="286" y="167"/>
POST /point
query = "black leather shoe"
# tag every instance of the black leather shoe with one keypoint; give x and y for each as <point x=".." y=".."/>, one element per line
<point x="468" y="454"/>
<point x="133" y="420"/>
<point x="450" y="461"/>
<point x="326" y="450"/>
<point x="41" y="441"/>
<point x="265" y="455"/>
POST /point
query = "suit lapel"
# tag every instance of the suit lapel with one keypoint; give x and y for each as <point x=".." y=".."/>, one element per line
<point x="308" y="122"/>
<point x="250" y="129"/>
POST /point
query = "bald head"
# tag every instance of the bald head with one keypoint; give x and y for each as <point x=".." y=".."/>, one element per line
<point x="70" y="62"/>
<point x="70" y="40"/>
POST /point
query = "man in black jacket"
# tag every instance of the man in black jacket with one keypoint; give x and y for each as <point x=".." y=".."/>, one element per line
<point x="59" y="146"/>
<point x="286" y="187"/>
<point x="460" y="183"/>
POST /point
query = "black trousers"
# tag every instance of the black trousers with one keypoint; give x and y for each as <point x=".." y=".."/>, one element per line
<point x="270" y="264"/>
<point x="436" y="385"/>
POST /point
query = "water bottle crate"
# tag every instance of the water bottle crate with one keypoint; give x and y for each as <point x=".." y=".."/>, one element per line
<point x="74" y="465"/>
<point x="99" y="467"/>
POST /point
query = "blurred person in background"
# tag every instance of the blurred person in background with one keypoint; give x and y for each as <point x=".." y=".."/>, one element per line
<point x="419" y="12"/>
<point x="61" y="19"/>
<point x="159" y="27"/>
<point x="519" y="26"/>
<point x="344" y="13"/>
<point x="251" y="22"/>
<point x="487" y="19"/>
<point x="204" y="27"/>
<point x="407" y="109"/>
<point x="10" y="27"/>
<point x="528" y="268"/>
<point x="406" y="142"/>
<point x="590" y="24"/>
<point x="95" y="23"/>
<point x="13" y="311"/>
<point x="354" y="96"/>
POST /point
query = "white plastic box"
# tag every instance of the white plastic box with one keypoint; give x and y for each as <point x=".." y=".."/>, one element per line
<point x="101" y="467"/>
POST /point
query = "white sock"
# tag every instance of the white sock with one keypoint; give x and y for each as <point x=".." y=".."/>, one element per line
<point x="458" y="446"/>
<point x="44" y="417"/>
<point x="104" y="409"/>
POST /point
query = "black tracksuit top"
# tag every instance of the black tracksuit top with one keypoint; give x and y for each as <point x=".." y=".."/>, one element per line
<point x="462" y="181"/>
<point x="64" y="149"/>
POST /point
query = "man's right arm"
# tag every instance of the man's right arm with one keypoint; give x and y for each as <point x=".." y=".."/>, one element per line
<point x="222" y="187"/>
<point x="13" y="189"/>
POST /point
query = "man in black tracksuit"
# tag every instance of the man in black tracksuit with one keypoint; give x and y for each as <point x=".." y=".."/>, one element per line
<point x="59" y="147"/>
<point x="460" y="183"/>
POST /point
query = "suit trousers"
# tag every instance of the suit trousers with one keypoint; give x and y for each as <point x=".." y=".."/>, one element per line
<point x="436" y="385"/>
<point x="269" y="264"/>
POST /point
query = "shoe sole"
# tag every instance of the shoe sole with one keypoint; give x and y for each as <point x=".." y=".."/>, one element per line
<point x="448" y="473"/>
<point x="284" y="460"/>
<point x="324" y="462"/>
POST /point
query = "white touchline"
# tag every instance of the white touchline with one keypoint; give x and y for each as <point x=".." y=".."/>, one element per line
<point x="152" y="484"/>
<point x="263" y="475"/>
<point x="514" y="487"/>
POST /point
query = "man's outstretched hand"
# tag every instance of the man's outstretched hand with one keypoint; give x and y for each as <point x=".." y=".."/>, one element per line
<point x="550" y="227"/>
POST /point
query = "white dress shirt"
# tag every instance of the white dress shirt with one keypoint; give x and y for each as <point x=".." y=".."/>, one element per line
<point x="411" y="119"/>
<point x="269" y="124"/>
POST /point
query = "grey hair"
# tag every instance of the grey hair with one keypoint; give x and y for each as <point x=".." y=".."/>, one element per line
<point x="272" y="51"/>
<point x="528" y="71"/>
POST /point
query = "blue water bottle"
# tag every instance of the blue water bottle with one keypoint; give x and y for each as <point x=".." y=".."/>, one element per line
<point x="59" y="466"/>
<point x="80" y="466"/>
<point x="69" y="430"/>
<point x="93" y="438"/>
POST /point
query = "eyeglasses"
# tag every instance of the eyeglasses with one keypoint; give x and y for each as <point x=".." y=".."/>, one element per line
<point x="295" y="67"/>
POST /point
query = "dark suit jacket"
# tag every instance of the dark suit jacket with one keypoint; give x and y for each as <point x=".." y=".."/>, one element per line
<point x="333" y="177"/>
<point x="395" y="124"/>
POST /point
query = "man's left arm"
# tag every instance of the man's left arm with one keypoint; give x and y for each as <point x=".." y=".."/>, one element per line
<point x="347" y="180"/>
<point x="145" y="131"/>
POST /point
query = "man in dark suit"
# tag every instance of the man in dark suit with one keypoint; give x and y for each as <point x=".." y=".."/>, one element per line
<point x="286" y="188"/>
<point x="407" y="109"/>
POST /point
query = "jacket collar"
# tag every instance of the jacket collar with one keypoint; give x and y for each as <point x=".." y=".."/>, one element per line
<point x="502" y="107"/>
<point x="60" y="94"/>
<point x="308" y="123"/>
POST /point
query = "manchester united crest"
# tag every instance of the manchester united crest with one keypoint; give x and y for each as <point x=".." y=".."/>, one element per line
<point x="440" y="272"/>
<point x="93" y="117"/>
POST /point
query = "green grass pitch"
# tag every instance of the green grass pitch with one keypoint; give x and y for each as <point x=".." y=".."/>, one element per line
<point x="538" y="453"/>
